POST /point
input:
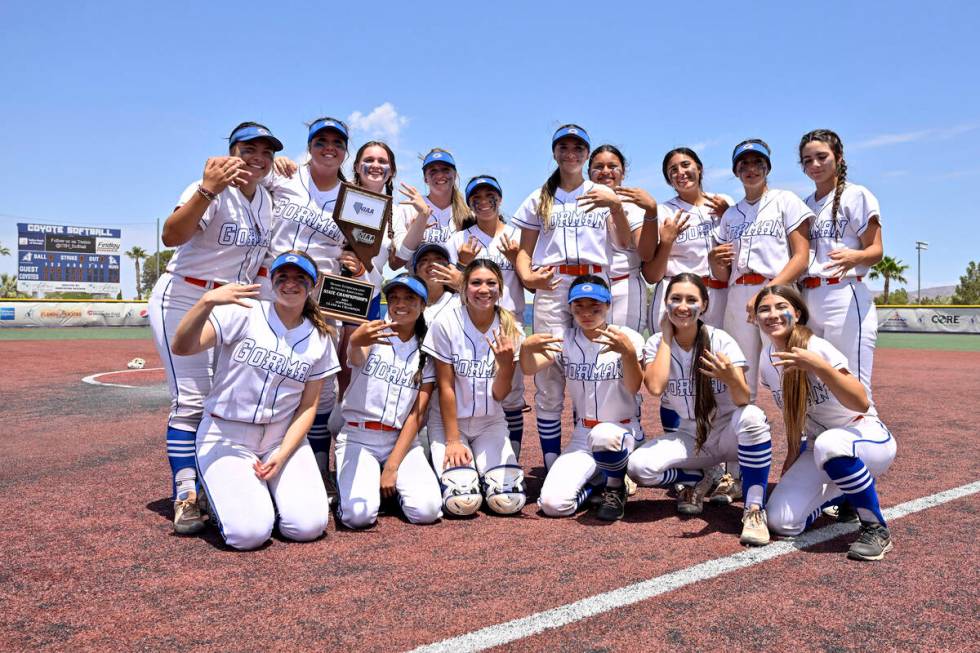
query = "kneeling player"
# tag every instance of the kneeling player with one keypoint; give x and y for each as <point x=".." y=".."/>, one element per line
<point x="601" y="367"/>
<point x="271" y="360"/>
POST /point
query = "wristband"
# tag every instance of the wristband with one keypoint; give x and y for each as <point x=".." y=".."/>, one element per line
<point x="206" y="194"/>
<point x="404" y="253"/>
<point x="647" y="219"/>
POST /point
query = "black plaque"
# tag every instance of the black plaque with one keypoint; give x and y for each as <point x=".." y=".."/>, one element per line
<point x="346" y="299"/>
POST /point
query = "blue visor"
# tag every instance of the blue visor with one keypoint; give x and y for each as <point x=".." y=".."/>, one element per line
<point x="476" y="182"/>
<point x="327" y="123"/>
<point x="575" y="132"/>
<point x="438" y="156"/>
<point x="425" y="249"/>
<point x="301" y="262"/>
<point x="412" y="283"/>
<point x="745" y="148"/>
<point x="590" y="291"/>
<point x="251" y="133"/>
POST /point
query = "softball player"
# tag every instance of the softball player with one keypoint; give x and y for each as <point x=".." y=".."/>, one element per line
<point x="378" y="453"/>
<point x="845" y="240"/>
<point x="564" y="227"/>
<point x="221" y="229"/>
<point x="697" y="370"/>
<point x="847" y="447"/>
<point x="768" y="243"/>
<point x="601" y="366"/>
<point x="271" y="358"/>
<point x="433" y="218"/>
<point x="607" y="166"/>
<point x="489" y="237"/>
<point x="475" y="346"/>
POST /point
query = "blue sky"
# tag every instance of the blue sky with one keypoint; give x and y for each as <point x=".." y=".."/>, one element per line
<point x="110" y="109"/>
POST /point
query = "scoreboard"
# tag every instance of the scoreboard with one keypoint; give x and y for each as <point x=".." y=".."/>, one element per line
<point x="62" y="258"/>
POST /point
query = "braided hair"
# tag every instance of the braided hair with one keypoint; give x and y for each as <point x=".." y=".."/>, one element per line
<point x="833" y="141"/>
<point x="390" y="184"/>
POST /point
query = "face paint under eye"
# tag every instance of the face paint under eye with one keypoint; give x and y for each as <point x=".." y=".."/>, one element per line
<point x="367" y="167"/>
<point x="282" y="279"/>
<point x="789" y="317"/>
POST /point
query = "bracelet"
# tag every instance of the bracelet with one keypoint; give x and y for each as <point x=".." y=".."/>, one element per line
<point x="206" y="194"/>
<point x="646" y="219"/>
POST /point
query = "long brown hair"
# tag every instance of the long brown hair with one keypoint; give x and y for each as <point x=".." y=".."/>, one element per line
<point x="548" y="189"/>
<point x="311" y="310"/>
<point x="796" y="383"/>
<point x="831" y="140"/>
<point x="705" y="405"/>
<point x="390" y="184"/>
<point x="508" y="325"/>
<point x="460" y="211"/>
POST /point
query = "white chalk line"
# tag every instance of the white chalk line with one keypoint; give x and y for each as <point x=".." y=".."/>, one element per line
<point x="534" y="624"/>
<point x="91" y="378"/>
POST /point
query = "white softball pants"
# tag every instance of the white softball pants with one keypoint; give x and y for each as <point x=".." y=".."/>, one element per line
<point x="361" y="454"/>
<point x="745" y="333"/>
<point x="551" y="315"/>
<point x="805" y="487"/>
<point x="487" y="438"/>
<point x="575" y="466"/>
<point x="845" y="316"/>
<point x="245" y="506"/>
<point x="629" y="298"/>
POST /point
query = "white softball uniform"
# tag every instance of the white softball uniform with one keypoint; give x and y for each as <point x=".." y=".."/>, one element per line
<point x="605" y="416"/>
<point x="571" y="237"/>
<point x="379" y="398"/>
<point x="842" y="311"/>
<point x="832" y="431"/>
<point x="651" y="463"/>
<point x="689" y="253"/>
<point x="453" y="339"/>
<point x="303" y="220"/>
<point x="759" y="233"/>
<point x="629" y="293"/>
<point x="431" y="313"/>
<point x="261" y="372"/>
<point x="439" y="229"/>
<point x="231" y="241"/>
<point x="512" y="294"/>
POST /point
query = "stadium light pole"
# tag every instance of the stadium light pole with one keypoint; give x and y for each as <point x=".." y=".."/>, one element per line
<point x="920" y="246"/>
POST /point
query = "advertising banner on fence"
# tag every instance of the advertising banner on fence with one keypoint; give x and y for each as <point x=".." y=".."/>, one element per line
<point x="929" y="319"/>
<point x="62" y="258"/>
<point x="58" y="314"/>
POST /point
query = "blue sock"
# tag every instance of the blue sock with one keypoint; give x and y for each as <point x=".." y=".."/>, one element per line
<point x="319" y="439"/>
<point x="670" y="419"/>
<point x="613" y="463"/>
<point x="549" y="432"/>
<point x="181" y="454"/>
<point x="515" y="426"/>
<point x="754" y="461"/>
<point x="670" y="477"/>
<point x="857" y="484"/>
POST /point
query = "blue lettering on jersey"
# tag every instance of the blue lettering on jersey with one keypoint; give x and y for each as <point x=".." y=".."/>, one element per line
<point x="687" y="388"/>
<point x="319" y="221"/>
<point x="573" y="219"/>
<point x="695" y="232"/>
<point x="772" y="227"/>
<point x="594" y="372"/>
<point x="818" y="395"/>
<point x="479" y="369"/>
<point x="247" y="352"/>
<point x="233" y="234"/>
<point x="825" y="229"/>
<point x="377" y="367"/>
<point x="437" y="234"/>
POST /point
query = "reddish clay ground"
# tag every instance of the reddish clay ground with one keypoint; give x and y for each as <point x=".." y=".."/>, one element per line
<point x="89" y="560"/>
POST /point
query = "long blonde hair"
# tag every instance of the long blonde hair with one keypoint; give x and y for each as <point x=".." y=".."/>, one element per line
<point x="508" y="324"/>
<point x="796" y="384"/>
<point x="460" y="211"/>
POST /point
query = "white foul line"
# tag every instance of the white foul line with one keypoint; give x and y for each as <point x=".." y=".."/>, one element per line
<point x="91" y="377"/>
<point x="511" y="631"/>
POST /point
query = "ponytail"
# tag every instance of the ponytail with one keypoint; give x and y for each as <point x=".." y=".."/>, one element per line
<point x="705" y="406"/>
<point x="421" y="328"/>
<point x="547" y="199"/>
<point x="461" y="212"/>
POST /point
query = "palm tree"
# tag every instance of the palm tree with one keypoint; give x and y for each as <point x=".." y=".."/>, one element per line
<point x="888" y="268"/>
<point x="4" y="251"/>
<point x="137" y="254"/>
<point x="8" y="285"/>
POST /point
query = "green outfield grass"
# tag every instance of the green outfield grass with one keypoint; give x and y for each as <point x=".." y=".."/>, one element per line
<point x="930" y="341"/>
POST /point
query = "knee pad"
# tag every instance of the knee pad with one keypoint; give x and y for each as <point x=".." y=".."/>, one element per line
<point x="607" y="437"/>
<point x="504" y="489"/>
<point x="461" y="491"/>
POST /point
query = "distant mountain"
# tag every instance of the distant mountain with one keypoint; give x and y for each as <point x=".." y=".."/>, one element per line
<point x="934" y="292"/>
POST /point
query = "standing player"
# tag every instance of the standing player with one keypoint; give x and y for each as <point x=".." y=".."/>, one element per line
<point x="845" y="241"/>
<point x="378" y="453"/>
<point x="475" y="347"/>
<point x="487" y="236"/>
<point x="601" y="366"/>
<point x="697" y="370"/>
<point x="271" y="358"/>
<point x="221" y="231"/>
<point x="437" y="217"/>
<point x="607" y="166"/>
<point x="564" y="234"/>
<point x="846" y="443"/>
<point x="768" y="234"/>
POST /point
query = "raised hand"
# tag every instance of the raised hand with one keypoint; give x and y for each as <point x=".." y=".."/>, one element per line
<point x="221" y="172"/>
<point x="376" y="332"/>
<point x="232" y="293"/>
<point x="509" y="248"/>
<point x="719" y="366"/>
<point x="469" y="250"/>
<point x="600" y="197"/>
<point x="502" y="347"/>
<point x="414" y="199"/>
<point x="541" y="279"/>
<point x="284" y="166"/>
<point x="799" y="358"/>
<point x="542" y="343"/>
<point x="640" y="197"/>
<point x="616" y="341"/>
<point x="716" y="203"/>
<point x="673" y="226"/>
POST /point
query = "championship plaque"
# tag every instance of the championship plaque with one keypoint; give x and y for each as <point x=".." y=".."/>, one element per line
<point x="362" y="217"/>
<point x="346" y="299"/>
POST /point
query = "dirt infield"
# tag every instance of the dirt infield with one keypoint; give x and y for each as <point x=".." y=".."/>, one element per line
<point x="89" y="560"/>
